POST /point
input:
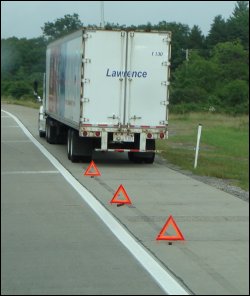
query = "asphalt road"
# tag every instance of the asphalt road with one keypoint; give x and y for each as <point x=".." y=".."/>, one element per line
<point x="53" y="242"/>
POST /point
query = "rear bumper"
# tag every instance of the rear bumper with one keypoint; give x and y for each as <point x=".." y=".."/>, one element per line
<point x="128" y="150"/>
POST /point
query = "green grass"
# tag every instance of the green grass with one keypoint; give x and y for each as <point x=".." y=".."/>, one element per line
<point x="27" y="102"/>
<point x="224" y="148"/>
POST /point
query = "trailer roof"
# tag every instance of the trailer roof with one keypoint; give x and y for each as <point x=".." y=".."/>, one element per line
<point x="85" y="29"/>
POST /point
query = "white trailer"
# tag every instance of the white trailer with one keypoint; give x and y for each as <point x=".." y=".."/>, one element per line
<point x="107" y="91"/>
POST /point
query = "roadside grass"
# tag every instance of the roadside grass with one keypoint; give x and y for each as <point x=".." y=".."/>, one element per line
<point x="27" y="102"/>
<point x="224" y="148"/>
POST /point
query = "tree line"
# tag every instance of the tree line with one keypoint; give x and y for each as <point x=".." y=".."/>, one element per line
<point x="207" y="72"/>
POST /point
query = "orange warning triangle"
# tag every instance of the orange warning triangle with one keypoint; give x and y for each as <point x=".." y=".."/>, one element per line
<point x="92" y="167"/>
<point x="116" y="199"/>
<point x="178" y="235"/>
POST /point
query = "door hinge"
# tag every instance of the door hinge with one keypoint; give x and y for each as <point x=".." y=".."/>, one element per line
<point x="85" y="100"/>
<point x="165" y="103"/>
<point x="167" y="39"/>
<point x="166" y="63"/>
<point x="113" y="117"/>
<point x="163" y="122"/>
<point x="84" y="119"/>
<point x="86" y="60"/>
<point x="85" y="36"/>
<point x="135" y="117"/>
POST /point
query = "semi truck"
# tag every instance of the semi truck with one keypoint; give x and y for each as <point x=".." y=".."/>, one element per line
<point x="107" y="90"/>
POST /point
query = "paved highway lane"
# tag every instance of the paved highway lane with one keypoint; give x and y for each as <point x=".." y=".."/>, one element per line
<point x="213" y="259"/>
<point x="52" y="243"/>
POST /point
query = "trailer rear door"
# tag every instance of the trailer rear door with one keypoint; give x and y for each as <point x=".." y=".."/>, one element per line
<point x="103" y="82"/>
<point x="147" y="86"/>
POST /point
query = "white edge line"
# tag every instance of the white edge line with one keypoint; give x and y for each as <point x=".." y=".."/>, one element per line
<point x="161" y="276"/>
<point x="29" y="172"/>
<point x="16" y="141"/>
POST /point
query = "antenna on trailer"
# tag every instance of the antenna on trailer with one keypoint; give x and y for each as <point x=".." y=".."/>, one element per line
<point x="102" y="14"/>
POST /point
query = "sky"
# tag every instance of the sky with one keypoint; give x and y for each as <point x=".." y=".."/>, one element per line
<point x="24" y="19"/>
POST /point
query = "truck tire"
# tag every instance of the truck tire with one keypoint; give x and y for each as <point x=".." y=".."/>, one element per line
<point x="86" y="146"/>
<point x="131" y="156"/>
<point x="150" y="156"/>
<point x="79" y="149"/>
<point x="50" y="131"/>
<point x="147" y="157"/>
<point x="69" y="144"/>
<point x="73" y="146"/>
<point x="62" y="133"/>
<point x="42" y="134"/>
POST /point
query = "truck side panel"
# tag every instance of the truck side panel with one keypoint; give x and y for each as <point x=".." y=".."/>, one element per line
<point x="63" y="83"/>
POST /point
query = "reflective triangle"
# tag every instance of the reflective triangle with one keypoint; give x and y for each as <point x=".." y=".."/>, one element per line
<point x="92" y="167"/>
<point x="117" y="196"/>
<point x="178" y="236"/>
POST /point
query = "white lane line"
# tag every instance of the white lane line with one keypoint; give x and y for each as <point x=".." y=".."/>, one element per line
<point x="164" y="278"/>
<point x="29" y="172"/>
<point x="16" y="141"/>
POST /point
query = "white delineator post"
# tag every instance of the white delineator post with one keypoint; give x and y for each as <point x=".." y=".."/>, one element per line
<point x="197" y="145"/>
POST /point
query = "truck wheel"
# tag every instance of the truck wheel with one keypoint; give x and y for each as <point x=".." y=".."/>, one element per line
<point x="150" y="156"/>
<point x="86" y="148"/>
<point x="62" y="133"/>
<point x="147" y="157"/>
<point x="69" y="144"/>
<point x="41" y="134"/>
<point x="79" y="149"/>
<point x="73" y="146"/>
<point x="50" y="131"/>
<point x="131" y="156"/>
